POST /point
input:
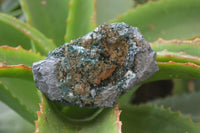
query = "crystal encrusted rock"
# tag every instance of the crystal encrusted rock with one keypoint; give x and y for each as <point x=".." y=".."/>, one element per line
<point x="94" y="70"/>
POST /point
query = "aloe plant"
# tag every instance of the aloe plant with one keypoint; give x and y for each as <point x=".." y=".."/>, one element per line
<point x="51" y="23"/>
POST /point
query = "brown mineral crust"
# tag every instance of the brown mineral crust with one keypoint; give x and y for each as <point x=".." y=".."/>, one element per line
<point x="118" y="51"/>
<point x="106" y="73"/>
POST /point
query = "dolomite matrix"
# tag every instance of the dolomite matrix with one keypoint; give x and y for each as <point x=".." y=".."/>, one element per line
<point x="94" y="70"/>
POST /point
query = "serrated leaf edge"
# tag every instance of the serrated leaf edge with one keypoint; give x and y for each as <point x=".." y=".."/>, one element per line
<point x="185" y="64"/>
<point x="16" y="99"/>
<point x="39" y="113"/>
<point x="27" y="32"/>
<point x="160" y="40"/>
<point x="178" y="113"/>
<point x="180" y="55"/>
<point x="118" y="122"/>
<point x="19" y="48"/>
<point x="17" y="66"/>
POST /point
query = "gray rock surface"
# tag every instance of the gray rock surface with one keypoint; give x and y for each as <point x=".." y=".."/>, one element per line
<point x="93" y="71"/>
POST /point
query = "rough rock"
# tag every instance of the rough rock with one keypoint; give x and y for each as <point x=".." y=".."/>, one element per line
<point x="94" y="70"/>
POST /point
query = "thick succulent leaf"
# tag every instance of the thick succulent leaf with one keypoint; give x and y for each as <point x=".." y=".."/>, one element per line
<point x="181" y="86"/>
<point x="19" y="81"/>
<point x="78" y="113"/>
<point x="191" y="47"/>
<point x="11" y="122"/>
<point x="14" y="32"/>
<point x="126" y="98"/>
<point x="139" y="2"/>
<point x="48" y="16"/>
<point x="18" y="71"/>
<point x="168" y="70"/>
<point x="105" y="10"/>
<point x="152" y="119"/>
<point x="179" y="59"/>
<point x="14" y="103"/>
<point x="16" y="13"/>
<point x="81" y="18"/>
<point x="18" y="55"/>
<point x="187" y="104"/>
<point x="10" y="35"/>
<point x="51" y="120"/>
<point x="168" y="19"/>
<point x="165" y="56"/>
<point x="180" y="52"/>
<point x="9" y="5"/>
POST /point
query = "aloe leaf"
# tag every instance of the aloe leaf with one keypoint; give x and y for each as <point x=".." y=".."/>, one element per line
<point x="180" y="52"/>
<point x="168" y="19"/>
<point x="168" y="70"/>
<point x="9" y="5"/>
<point x="14" y="32"/>
<point x="16" y="13"/>
<point x="9" y="118"/>
<point x="126" y="98"/>
<point x="105" y="10"/>
<point x="191" y="47"/>
<point x="51" y="120"/>
<point x="140" y="2"/>
<point x="17" y="71"/>
<point x="10" y="35"/>
<point x="81" y="18"/>
<point x="19" y="81"/>
<point x="14" y="103"/>
<point x="18" y="55"/>
<point x="152" y="119"/>
<point x="187" y="104"/>
<point x="165" y="56"/>
<point x="48" y="16"/>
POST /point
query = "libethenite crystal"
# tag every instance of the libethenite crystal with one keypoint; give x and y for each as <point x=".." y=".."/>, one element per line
<point x="94" y="70"/>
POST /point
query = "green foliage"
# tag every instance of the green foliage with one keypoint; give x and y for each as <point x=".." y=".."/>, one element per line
<point x="80" y="20"/>
<point x="103" y="9"/>
<point x="52" y="23"/>
<point x="167" y="19"/>
<point x="10" y="118"/>
<point x="14" y="32"/>
<point x="22" y="95"/>
<point x="51" y="121"/>
<point x="18" y="55"/>
<point x="188" y="47"/>
<point x="183" y="104"/>
<point x="153" y="119"/>
<point x="11" y="7"/>
<point x="7" y="97"/>
<point x="169" y="70"/>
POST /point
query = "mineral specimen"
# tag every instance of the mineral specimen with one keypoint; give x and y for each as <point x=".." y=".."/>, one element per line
<point x="94" y="70"/>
